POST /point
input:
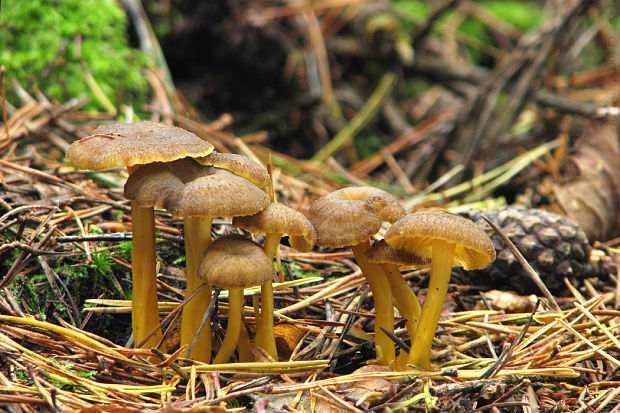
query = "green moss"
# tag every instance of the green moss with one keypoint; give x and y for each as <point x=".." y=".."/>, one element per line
<point x="524" y="15"/>
<point x="52" y="45"/>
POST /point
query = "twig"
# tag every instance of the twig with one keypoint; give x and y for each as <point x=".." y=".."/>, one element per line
<point x="423" y="29"/>
<point x="507" y="351"/>
<point x="361" y="119"/>
<point x="205" y="319"/>
<point x="114" y="237"/>
<point x="396" y="340"/>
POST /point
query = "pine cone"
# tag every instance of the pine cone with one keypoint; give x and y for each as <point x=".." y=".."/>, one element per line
<point x="553" y="245"/>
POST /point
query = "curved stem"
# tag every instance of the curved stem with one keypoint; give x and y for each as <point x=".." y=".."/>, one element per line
<point x="264" y="326"/>
<point x="382" y="296"/>
<point x="404" y="298"/>
<point x="441" y="269"/>
<point x="197" y="239"/>
<point x="145" y="313"/>
<point x="233" y="329"/>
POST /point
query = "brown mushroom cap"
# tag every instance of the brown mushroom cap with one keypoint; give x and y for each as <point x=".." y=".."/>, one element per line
<point x="218" y="193"/>
<point x="239" y="165"/>
<point x="416" y="233"/>
<point x="278" y="218"/>
<point x="383" y="253"/>
<point x="152" y="185"/>
<point x="127" y="144"/>
<point x="185" y="188"/>
<point x="233" y="261"/>
<point x="349" y="216"/>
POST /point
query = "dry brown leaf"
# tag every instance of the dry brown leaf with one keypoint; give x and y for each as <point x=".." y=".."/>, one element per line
<point x="369" y="391"/>
<point x="287" y="337"/>
<point x="592" y="197"/>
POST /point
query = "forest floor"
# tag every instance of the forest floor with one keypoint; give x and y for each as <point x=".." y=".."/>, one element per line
<point x="531" y="128"/>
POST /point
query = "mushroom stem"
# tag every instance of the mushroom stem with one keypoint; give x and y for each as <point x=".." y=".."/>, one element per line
<point x="145" y="313"/>
<point x="233" y="329"/>
<point x="244" y="347"/>
<point x="197" y="239"/>
<point x="441" y="270"/>
<point x="382" y="296"/>
<point x="404" y="298"/>
<point x="264" y="327"/>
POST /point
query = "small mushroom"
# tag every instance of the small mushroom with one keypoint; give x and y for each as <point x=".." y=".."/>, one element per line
<point x="234" y="262"/>
<point x="349" y="217"/>
<point x="197" y="193"/>
<point x="132" y="145"/>
<point x="275" y="221"/>
<point x="404" y="298"/>
<point x="448" y="240"/>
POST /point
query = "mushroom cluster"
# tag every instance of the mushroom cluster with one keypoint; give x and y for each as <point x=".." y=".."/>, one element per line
<point x="197" y="193"/>
<point x="349" y="217"/>
<point x="133" y="145"/>
<point x="172" y="169"/>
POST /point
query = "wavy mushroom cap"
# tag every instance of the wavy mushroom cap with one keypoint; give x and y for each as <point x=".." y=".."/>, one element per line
<point x="185" y="188"/>
<point x="233" y="261"/>
<point x="349" y="216"/>
<point x="239" y="165"/>
<point x="278" y="218"/>
<point x="416" y="233"/>
<point x="128" y="144"/>
<point x="218" y="193"/>
<point x="383" y="253"/>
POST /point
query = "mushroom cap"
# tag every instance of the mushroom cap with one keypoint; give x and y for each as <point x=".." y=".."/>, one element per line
<point x="233" y="261"/>
<point x="351" y="215"/>
<point x="278" y="218"/>
<point x="152" y="185"/>
<point x="416" y="233"/>
<point x="239" y="165"/>
<point x="127" y="144"/>
<point x="383" y="253"/>
<point x="185" y="188"/>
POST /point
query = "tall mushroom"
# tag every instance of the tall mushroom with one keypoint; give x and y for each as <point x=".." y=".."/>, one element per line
<point x="234" y="262"/>
<point x="349" y="217"/>
<point x="448" y="240"/>
<point x="132" y="145"/>
<point x="275" y="221"/>
<point x="197" y="193"/>
<point x="404" y="298"/>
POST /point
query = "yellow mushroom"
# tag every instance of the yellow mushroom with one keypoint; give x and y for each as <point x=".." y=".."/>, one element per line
<point x="132" y="145"/>
<point x="449" y="240"/>
<point x="404" y="298"/>
<point x="349" y="217"/>
<point x="198" y="194"/>
<point x="275" y="221"/>
<point x="234" y="262"/>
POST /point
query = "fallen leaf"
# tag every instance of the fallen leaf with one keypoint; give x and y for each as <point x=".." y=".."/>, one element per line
<point x="592" y="197"/>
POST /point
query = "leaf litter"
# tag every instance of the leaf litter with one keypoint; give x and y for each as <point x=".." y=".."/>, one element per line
<point x="58" y="356"/>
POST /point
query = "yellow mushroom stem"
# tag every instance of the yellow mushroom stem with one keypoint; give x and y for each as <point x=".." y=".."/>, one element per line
<point x="404" y="298"/>
<point x="264" y="323"/>
<point x="197" y="239"/>
<point x="233" y="329"/>
<point x="441" y="270"/>
<point x="244" y="347"/>
<point x="382" y="296"/>
<point x="145" y="313"/>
